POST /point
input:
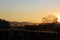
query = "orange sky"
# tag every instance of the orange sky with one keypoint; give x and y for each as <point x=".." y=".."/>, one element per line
<point x="28" y="10"/>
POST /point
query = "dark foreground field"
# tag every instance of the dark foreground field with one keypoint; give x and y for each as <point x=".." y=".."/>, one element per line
<point x="40" y="36"/>
<point x="24" y="35"/>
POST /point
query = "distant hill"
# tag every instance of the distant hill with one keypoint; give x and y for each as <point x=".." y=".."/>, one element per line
<point x="18" y="24"/>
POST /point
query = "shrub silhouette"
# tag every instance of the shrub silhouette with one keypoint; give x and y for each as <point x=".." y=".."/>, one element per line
<point x="4" y="24"/>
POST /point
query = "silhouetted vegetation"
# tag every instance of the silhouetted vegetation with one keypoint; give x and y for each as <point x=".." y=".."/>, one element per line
<point x="4" y="24"/>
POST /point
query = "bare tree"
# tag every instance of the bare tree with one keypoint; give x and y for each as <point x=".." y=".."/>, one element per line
<point x="49" y="19"/>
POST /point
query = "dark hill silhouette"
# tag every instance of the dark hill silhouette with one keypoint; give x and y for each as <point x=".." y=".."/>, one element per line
<point x="4" y="24"/>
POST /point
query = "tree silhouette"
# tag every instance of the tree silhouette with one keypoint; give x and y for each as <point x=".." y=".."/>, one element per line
<point x="4" y="24"/>
<point x="50" y="19"/>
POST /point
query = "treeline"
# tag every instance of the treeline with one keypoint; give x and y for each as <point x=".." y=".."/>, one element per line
<point x="43" y="26"/>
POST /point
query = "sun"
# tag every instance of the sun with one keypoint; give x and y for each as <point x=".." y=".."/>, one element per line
<point x="58" y="18"/>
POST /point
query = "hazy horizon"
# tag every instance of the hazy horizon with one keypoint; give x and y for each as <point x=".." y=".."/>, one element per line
<point x="28" y="10"/>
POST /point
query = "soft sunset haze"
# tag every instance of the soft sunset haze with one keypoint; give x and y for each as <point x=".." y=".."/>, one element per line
<point x="28" y="10"/>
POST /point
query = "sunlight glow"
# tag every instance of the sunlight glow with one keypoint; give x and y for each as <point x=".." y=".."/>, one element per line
<point x="58" y="18"/>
